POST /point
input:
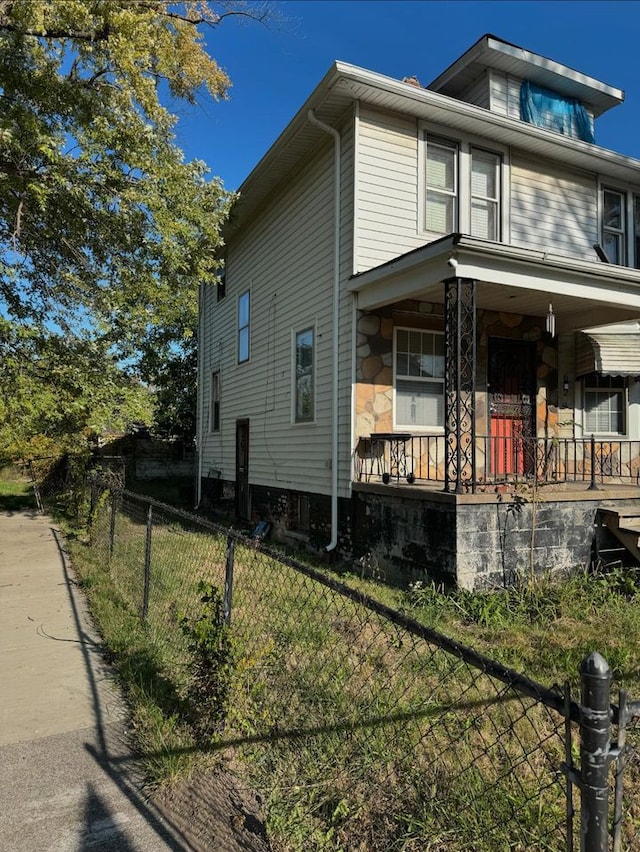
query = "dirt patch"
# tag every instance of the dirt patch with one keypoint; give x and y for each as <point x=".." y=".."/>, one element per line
<point x="214" y="810"/>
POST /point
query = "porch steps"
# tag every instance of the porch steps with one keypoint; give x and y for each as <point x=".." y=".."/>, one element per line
<point x="625" y="526"/>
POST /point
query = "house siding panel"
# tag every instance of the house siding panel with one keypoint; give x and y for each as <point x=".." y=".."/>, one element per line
<point x="553" y="209"/>
<point x="387" y="190"/>
<point x="285" y="258"/>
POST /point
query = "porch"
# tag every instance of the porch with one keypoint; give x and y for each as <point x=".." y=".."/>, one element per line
<point x="490" y="463"/>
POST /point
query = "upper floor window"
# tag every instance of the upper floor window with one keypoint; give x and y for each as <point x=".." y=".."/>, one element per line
<point x="553" y="111"/>
<point x="463" y="189"/>
<point x="304" y="389"/>
<point x="419" y="379"/>
<point x="620" y="226"/>
<point x="244" y="326"/>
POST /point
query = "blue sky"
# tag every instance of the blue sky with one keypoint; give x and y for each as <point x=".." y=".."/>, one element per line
<point x="274" y="68"/>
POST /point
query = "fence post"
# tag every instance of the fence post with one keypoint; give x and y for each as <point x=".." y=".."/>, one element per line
<point x="595" y="741"/>
<point x="112" y="525"/>
<point x="228" y="579"/>
<point x="147" y="564"/>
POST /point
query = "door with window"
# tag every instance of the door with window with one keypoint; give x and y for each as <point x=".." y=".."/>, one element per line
<point x="511" y="384"/>
<point x="242" y="469"/>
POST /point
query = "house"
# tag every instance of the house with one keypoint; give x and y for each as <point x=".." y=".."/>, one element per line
<point x="425" y="351"/>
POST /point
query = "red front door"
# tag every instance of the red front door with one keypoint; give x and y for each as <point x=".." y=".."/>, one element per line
<point x="512" y="392"/>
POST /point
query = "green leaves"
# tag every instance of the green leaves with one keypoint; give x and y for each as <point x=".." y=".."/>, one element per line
<point x="105" y="231"/>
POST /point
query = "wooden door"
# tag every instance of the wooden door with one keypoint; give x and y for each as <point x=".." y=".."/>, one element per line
<point x="242" y="469"/>
<point x="512" y="393"/>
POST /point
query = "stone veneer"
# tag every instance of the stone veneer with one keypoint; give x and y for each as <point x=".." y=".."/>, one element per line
<point x="374" y="374"/>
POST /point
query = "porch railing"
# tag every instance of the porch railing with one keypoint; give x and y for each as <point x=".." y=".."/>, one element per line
<point x="402" y="457"/>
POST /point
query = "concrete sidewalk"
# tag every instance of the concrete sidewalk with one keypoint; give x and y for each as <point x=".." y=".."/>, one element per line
<point x="68" y="782"/>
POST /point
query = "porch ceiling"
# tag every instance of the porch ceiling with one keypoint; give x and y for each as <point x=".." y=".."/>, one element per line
<point x="511" y="280"/>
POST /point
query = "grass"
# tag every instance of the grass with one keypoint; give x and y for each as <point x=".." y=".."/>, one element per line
<point x="16" y="492"/>
<point x="361" y="736"/>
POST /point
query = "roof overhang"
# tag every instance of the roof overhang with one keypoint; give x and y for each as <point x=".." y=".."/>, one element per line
<point x="509" y="280"/>
<point x="344" y="84"/>
<point x="492" y="52"/>
<point x="612" y="354"/>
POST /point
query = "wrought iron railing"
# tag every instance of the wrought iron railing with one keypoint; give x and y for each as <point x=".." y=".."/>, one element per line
<point x="403" y="457"/>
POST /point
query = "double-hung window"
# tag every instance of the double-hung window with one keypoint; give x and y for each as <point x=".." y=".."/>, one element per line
<point x="244" y="327"/>
<point x="419" y="379"/>
<point x="304" y="409"/>
<point x="620" y="226"/>
<point x="604" y="404"/>
<point x="462" y="188"/>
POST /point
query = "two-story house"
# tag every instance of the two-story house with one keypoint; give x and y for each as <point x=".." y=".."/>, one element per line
<point x="417" y="351"/>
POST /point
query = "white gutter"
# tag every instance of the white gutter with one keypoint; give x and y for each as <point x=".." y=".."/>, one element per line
<point x="335" y="320"/>
<point x="200" y="396"/>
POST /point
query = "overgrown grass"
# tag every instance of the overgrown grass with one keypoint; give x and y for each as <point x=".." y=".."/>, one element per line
<point x="361" y="736"/>
<point x="16" y="492"/>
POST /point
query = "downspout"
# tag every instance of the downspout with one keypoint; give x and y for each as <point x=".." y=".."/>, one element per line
<point x="335" y="320"/>
<point x="200" y="396"/>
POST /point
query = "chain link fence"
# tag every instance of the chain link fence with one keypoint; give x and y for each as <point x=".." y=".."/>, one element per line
<point x="365" y="729"/>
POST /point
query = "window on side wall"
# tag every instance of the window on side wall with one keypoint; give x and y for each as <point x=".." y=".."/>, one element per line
<point x="604" y="404"/>
<point x="214" y="412"/>
<point x="462" y="188"/>
<point x="419" y="379"/>
<point x="304" y="392"/>
<point x="244" y="327"/>
<point x="620" y="226"/>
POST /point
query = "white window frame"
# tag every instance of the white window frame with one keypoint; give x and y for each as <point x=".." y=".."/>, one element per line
<point x="623" y="392"/>
<point x="629" y="232"/>
<point x="465" y="146"/>
<point x="215" y="380"/>
<point x="432" y="429"/>
<point x="245" y="327"/>
<point x="295" y="334"/>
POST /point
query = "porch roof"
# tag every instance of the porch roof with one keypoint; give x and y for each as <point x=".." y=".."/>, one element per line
<point x="511" y="280"/>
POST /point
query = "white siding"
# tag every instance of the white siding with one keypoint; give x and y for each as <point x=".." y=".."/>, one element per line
<point x="285" y="258"/>
<point x="387" y="189"/>
<point x="553" y="209"/>
<point x="478" y="93"/>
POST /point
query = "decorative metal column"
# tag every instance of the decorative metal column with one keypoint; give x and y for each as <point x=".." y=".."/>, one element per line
<point x="460" y="383"/>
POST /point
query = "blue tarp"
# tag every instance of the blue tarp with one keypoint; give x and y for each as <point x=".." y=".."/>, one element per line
<point x="545" y="108"/>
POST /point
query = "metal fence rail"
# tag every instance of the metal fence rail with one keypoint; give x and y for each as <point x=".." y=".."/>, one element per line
<point x="374" y="730"/>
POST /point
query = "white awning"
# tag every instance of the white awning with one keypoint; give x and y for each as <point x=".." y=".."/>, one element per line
<point x="607" y="353"/>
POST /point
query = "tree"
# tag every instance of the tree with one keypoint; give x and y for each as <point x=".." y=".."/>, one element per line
<point x="57" y="393"/>
<point x="104" y="228"/>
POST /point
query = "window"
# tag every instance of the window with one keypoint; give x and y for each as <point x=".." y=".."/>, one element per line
<point x="442" y="187"/>
<point x="613" y="225"/>
<point x="620" y="226"/>
<point x="221" y="288"/>
<point x="214" y="411"/>
<point x="462" y="189"/>
<point x="485" y="200"/>
<point x="304" y="390"/>
<point x="243" y="327"/>
<point x="604" y="404"/>
<point x="419" y="379"/>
